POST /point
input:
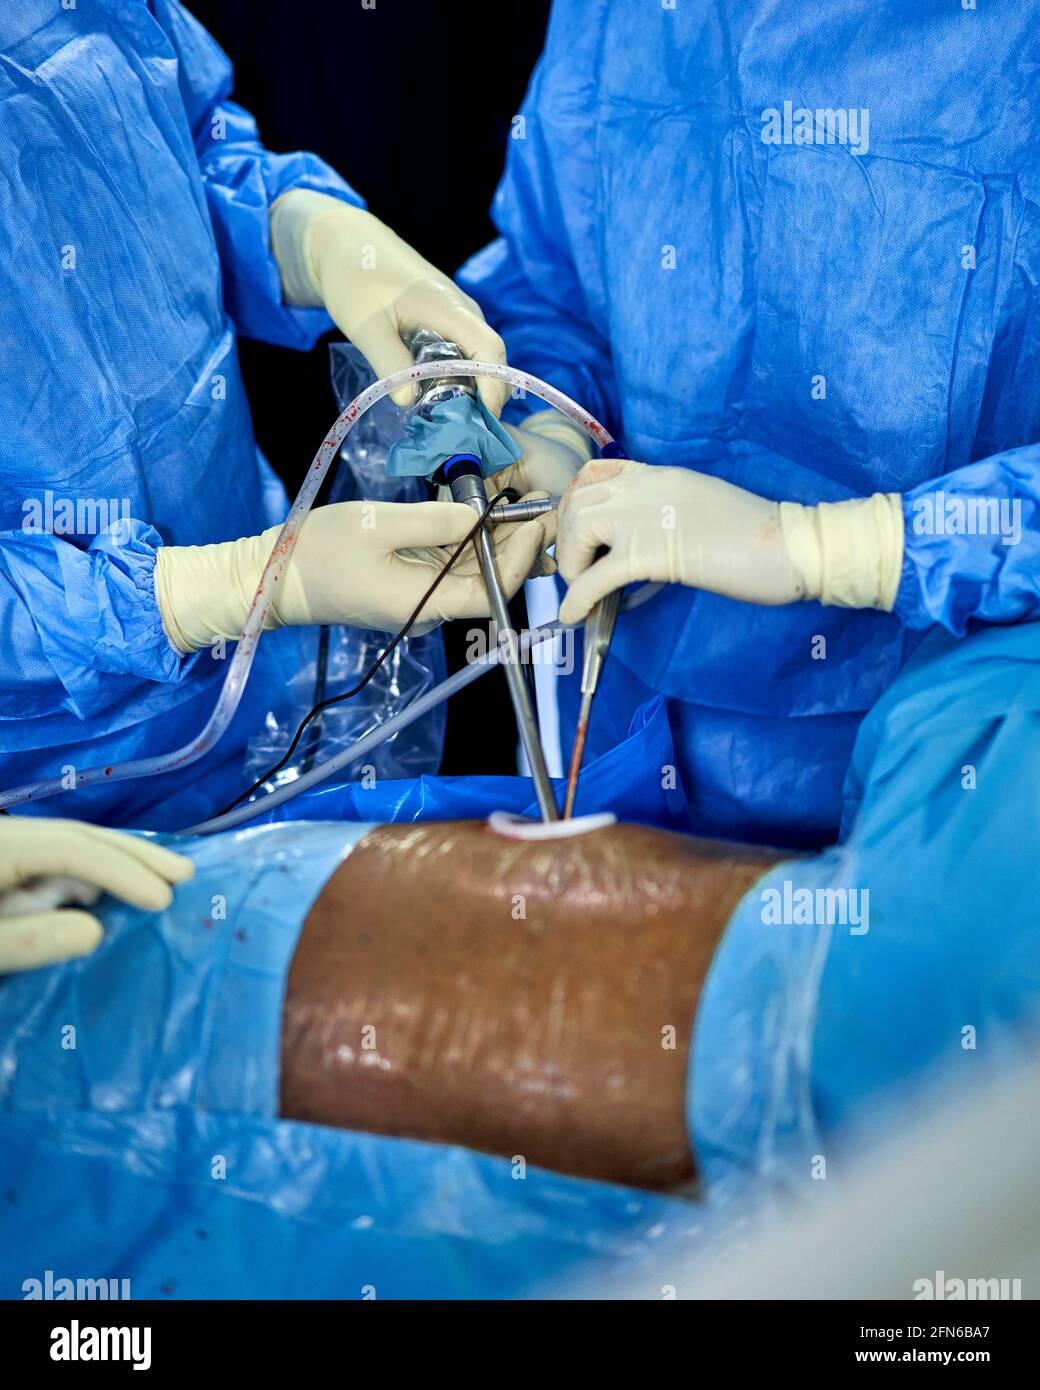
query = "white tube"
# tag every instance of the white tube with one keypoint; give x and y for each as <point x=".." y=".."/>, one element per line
<point x="242" y="661"/>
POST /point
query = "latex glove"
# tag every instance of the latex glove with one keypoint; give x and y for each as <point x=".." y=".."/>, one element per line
<point x="347" y="567"/>
<point x="544" y="563"/>
<point x="47" y="863"/>
<point x="554" y="452"/>
<point x="375" y="286"/>
<point x="672" y="525"/>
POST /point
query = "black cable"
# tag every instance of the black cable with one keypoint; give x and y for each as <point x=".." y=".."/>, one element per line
<point x="320" y="680"/>
<point x="356" y="690"/>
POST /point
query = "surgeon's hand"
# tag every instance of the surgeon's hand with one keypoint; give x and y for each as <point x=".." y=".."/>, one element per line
<point x="366" y="564"/>
<point x="375" y="286"/>
<point x="46" y="865"/>
<point x="672" y="525"/>
<point x="554" y="452"/>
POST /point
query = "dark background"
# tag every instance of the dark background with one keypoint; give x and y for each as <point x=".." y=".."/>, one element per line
<point x="361" y="88"/>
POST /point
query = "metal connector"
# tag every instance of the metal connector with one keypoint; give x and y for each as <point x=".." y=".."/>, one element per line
<point x="523" y="511"/>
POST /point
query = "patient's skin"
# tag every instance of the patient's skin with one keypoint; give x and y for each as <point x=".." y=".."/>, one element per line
<point x="525" y="998"/>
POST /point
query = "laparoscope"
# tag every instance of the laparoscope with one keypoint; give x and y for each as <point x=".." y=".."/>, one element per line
<point x="445" y="372"/>
<point x="463" y="475"/>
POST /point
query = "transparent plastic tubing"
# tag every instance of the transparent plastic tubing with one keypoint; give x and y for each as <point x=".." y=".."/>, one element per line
<point x="245" y="651"/>
<point x="371" y="741"/>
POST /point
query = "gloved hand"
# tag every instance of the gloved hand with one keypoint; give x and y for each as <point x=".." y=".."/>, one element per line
<point x="45" y="864"/>
<point x="672" y="525"/>
<point x="375" y="286"/>
<point x="350" y="565"/>
<point x="554" y="452"/>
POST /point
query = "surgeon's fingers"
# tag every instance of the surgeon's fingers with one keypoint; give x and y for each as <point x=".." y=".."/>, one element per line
<point x="592" y="494"/>
<point x="599" y="483"/>
<point x="517" y="552"/>
<point x="513" y="477"/>
<point x="583" y="530"/>
<point x="42" y="938"/>
<point x="597" y="471"/>
<point x="593" y="584"/>
<point x="46" y="892"/>
<point x="519" y="548"/>
<point x="549" y="520"/>
<point x="418" y="525"/>
<point x="589" y="520"/>
<point x="105" y="863"/>
<point x="175" y="868"/>
<point x="379" y="340"/>
<point x="479" y="341"/>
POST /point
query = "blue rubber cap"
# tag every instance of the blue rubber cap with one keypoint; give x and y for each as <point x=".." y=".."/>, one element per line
<point x="459" y="465"/>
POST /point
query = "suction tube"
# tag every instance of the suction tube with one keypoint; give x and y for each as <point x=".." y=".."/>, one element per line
<point x="245" y="651"/>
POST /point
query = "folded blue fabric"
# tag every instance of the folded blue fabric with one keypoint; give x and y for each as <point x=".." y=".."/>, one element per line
<point x="461" y="425"/>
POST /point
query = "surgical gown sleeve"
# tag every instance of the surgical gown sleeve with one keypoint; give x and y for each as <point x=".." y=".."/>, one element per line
<point x="81" y="627"/>
<point x="527" y="281"/>
<point x="242" y="181"/>
<point x="972" y="545"/>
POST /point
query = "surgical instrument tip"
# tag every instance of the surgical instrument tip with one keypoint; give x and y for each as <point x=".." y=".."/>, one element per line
<point x="577" y="754"/>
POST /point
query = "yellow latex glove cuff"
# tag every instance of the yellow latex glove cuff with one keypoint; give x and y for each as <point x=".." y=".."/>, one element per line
<point x="850" y="554"/>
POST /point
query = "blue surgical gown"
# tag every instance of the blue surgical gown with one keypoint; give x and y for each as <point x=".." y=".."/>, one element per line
<point x="811" y="321"/>
<point x="134" y="246"/>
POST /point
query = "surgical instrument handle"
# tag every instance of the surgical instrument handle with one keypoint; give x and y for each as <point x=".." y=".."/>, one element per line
<point x="426" y="345"/>
<point x="599" y="629"/>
